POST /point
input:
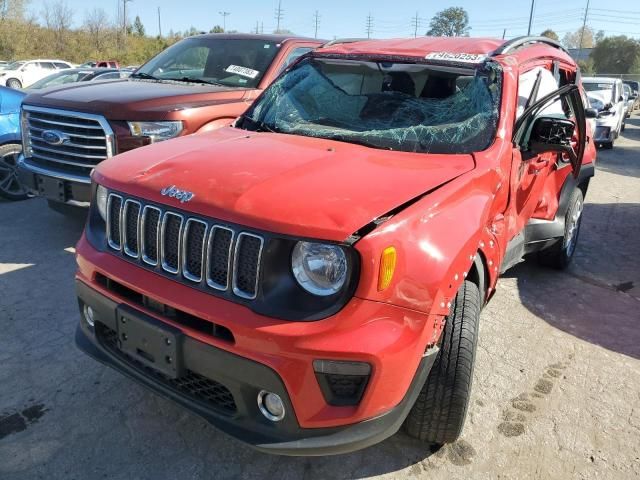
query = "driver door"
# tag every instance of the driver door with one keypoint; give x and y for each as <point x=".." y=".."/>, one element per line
<point x="550" y="135"/>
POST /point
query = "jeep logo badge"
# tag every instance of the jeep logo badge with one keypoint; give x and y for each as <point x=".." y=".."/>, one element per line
<point x="183" y="195"/>
<point x="54" y="137"/>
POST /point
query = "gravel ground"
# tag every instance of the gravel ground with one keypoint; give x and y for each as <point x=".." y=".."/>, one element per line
<point x="556" y="388"/>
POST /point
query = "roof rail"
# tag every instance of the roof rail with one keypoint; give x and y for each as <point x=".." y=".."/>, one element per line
<point x="338" y="41"/>
<point x="518" y="42"/>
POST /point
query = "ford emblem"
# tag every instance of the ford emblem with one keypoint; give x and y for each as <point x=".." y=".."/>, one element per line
<point x="54" y="137"/>
<point x="173" y="192"/>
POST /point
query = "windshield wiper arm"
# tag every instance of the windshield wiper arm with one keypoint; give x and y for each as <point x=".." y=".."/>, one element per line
<point x="257" y="125"/>
<point x="197" y="80"/>
<point x="146" y="76"/>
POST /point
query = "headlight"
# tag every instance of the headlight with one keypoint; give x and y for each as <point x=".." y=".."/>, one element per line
<point x="319" y="268"/>
<point x="101" y="201"/>
<point x="156" y="131"/>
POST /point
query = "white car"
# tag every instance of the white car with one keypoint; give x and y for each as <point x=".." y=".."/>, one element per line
<point x="24" y="73"/>
<point x="607" y="96"/>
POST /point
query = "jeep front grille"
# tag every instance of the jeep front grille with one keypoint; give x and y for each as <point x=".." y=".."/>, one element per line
<point x="190" y="249"/>
<point x="86" y="139"/>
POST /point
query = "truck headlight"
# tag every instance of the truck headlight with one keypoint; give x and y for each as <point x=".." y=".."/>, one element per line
<point x="156" y="131"/>
<point x="319" y="268"/>
<point x="101" y="201"/>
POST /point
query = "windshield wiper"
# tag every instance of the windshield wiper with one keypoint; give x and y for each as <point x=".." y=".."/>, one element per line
<point x="146" y="76"/>
<point x="257" y="125"/>
<point x="196" y="80"/>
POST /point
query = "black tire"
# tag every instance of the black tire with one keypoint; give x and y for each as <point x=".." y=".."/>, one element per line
<point x="561" y="254"/>
<point x="14" y="83"/>
<point x="440" y="410"/>
<point x="608" y="145"/>
<point x="10" y="186"/>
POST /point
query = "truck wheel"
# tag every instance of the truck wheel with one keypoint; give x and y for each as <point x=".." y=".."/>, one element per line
<point x="10" y="186"/>
<point x="439" y="412"/>
<point x="561" y="253"/>
<point x="14" y="83"/>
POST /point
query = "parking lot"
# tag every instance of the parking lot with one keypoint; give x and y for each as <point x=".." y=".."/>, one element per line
<point x="556" y="388"/>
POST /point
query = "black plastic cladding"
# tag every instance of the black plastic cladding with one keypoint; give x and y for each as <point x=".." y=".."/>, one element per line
<point x="279" y="295"/>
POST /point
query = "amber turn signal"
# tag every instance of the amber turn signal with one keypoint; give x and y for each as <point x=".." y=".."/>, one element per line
<point x="387" y="267"/>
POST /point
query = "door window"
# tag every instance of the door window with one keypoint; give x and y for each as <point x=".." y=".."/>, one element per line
<point x="293" y="56"/>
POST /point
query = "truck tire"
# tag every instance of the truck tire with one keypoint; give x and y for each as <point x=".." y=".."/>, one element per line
<point x="440" y="410"/>
<point x="14" y="83"/>
<point x="559" y="255"/>
<point x="10" y="186"/>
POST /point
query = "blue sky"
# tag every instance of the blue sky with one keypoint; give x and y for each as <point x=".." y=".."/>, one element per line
<point x="347" y="18"/>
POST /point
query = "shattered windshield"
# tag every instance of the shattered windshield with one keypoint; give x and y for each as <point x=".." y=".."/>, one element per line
<point x="396" y="106"/>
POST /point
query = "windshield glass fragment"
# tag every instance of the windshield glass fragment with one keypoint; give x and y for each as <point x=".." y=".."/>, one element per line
<point x="394" y="106"/>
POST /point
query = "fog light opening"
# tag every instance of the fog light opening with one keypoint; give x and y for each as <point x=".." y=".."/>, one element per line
<point x="271" y="405"/>
<point x="88" y="315"/>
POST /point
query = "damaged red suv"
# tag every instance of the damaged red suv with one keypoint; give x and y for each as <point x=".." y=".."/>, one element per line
<point x="310" y="280"/>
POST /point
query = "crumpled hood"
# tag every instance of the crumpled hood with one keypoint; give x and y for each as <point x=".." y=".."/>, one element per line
<point x="281" y="183"/>
<point x="599" y="98"/>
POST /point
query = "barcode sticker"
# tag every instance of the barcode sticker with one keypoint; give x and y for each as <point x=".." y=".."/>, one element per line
<point x="243" y="71"/>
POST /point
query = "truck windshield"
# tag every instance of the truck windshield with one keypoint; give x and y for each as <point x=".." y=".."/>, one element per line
<point x="395" y="106"/>
<point x="224" y="61"/>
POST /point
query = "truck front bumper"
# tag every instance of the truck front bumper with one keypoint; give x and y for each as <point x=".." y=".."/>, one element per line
<point x="56" y="186"/>
<point x="236" y="380"/>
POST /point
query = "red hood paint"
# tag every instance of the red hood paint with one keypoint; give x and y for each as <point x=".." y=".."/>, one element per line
<point x="281" y="183"/>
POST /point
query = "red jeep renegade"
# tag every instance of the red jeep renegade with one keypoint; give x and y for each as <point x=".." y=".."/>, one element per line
<point x="311" y="279"/>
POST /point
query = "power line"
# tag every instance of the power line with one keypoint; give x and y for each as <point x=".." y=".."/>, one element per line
<point x="316" y="21"/>
<point x="369" y="25"/>
<point x="279" y="14"/>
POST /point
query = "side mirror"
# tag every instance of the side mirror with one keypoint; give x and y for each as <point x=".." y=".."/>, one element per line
<point x="608" y="106"/>
<point x="621" y="98"/>
<point x="635" y="94"/>
<point x="591" y="113"/>
<point x="551" y="134"/>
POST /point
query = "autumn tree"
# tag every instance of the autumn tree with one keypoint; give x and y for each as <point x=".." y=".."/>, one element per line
<point x="96" y="24"/>
<point x="572" y="39"/>
<point x="58" y="18"/>
<point x="550" y="34"/>
<point x="217" y="29"/>
<point x="450" y="22"/>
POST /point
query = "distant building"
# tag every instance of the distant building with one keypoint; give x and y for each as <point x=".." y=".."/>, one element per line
<point x="580" y="54"/>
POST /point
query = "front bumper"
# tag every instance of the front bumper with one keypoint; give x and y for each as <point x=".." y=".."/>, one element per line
<point x="56" y="186"/>
<point x="243" y="378"/>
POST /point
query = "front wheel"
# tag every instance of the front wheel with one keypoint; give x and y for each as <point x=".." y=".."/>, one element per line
<point x="14" y="83"/>
<point x="10" y="186"/>
<point x="440" y="410"/>
<point x="561" y="254"/>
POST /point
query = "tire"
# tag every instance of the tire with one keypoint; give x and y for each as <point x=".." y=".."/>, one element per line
<point x="560" y="255"/>
<point x="10" y="186"/>
<point x="608" y="145"/>
<point x="441" y="407"/>
<point x="14" y="83"/>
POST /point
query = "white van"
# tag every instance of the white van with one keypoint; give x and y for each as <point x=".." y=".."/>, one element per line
<point x="607" y="96"/>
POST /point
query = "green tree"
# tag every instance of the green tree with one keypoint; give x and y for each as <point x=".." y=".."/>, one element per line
<point x="217" y="29"/>
<point x="572" y="39"/>
<point x="550" y="34"/>
<point x="138" y="27"/>
<point x="586" y="67"/>
<point x="599" y="37"/>
<point x="617" y="55"/>
<point x="450" y="22"/>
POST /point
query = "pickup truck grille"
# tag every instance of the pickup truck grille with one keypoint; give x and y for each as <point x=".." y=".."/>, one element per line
<point x="86" y="139"/>
<point x="190" y="249"/>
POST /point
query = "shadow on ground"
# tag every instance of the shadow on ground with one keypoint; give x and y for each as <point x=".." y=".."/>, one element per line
<point x="601" y="286"/>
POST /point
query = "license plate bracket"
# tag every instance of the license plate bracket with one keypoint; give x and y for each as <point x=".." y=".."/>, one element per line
<point x="150" y="341"/>
<point x="52" y="188"/>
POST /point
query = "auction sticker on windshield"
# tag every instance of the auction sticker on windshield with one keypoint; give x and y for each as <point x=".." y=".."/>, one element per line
<point x="456" y="57"/>
<point x="243" y="71"/>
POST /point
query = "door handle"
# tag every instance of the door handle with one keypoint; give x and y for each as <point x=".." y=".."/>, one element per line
<point x="537" y="166"/>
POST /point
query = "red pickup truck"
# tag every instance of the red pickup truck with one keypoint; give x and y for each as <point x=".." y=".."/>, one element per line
<point x="311" y="279"/>
<point x="198" y="84"/>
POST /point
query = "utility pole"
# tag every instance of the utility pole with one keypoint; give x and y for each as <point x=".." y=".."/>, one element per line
<point x="262" y="27"/>
<point x="369" y="25"/>
<point x="584" y="25"/>
<point x="533" y="3"/>
<point x="316" y="21"/>
<point x="415" y="23"/>
<point x="159" y="24"/>
<point x="504" y="33"/>
<point x="124" y="15"/>
<point x="257" y="27"/>
<point x="279" y="15"/>
<point x="224" y="20"/>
